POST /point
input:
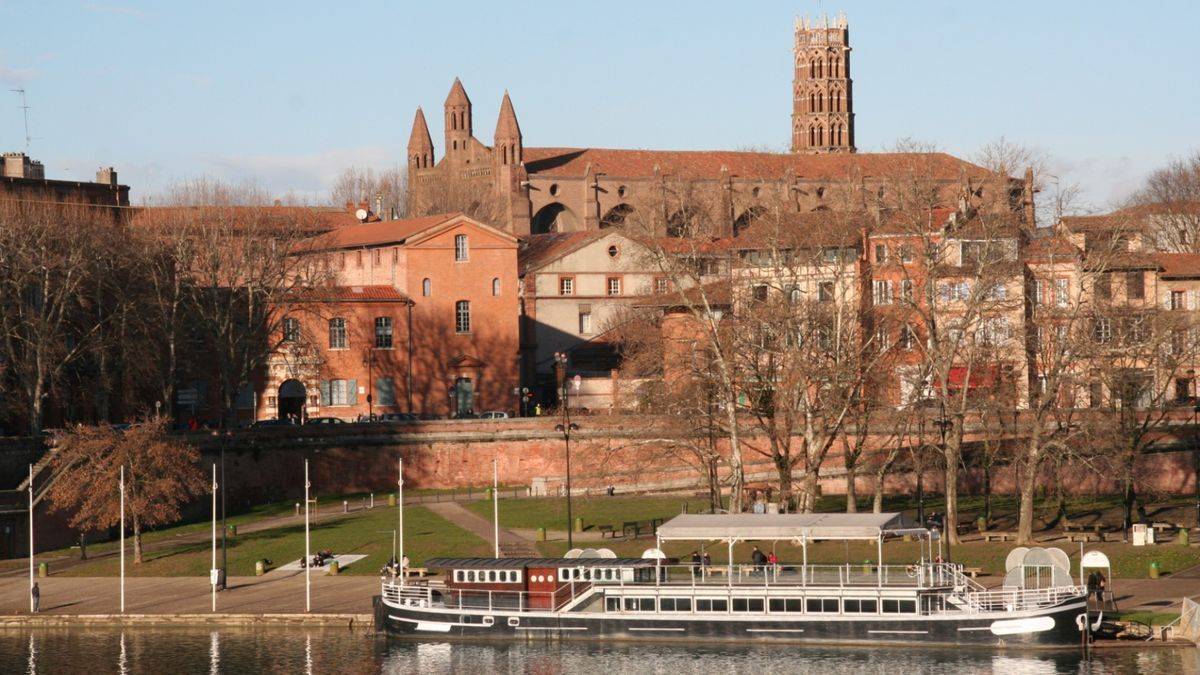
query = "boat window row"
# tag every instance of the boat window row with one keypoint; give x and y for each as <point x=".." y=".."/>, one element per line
<point x="487" y="576"/>
<point x="757" y="605"/>
<point x="596" y="574"/>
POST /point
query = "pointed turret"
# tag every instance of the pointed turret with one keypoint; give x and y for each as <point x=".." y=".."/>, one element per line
<point x="420" y="143"/>
<point x="458" y="118"/>
<point x="507" y="141"/>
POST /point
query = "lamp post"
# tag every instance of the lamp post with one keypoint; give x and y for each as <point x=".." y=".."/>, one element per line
<point x="1196" y="459"/>
<point x="221" y="435"/>
<point x="560" y="372"/>
<point x="369" y="361"/>
<point x="943" y="425"/>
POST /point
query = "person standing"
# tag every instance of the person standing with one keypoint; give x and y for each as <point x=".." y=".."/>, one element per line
<point x="759" y="559"/>
<point x="36" y="594"/>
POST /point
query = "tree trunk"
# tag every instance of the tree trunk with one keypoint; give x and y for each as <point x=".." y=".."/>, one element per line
<point x="987" y="494"/>
<point x="714" y="487"/>
<point x="851" y="488"/>
<point x="950" y="523"/>
<point x="810" y="486"/>
<point x="737" y="472"/>
<point x="137" y="540"/>
<point x="1028" y="487"/>
<point x="783" y="470"/>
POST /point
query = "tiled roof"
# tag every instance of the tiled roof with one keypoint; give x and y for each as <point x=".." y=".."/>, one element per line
<point x="378" y="233"/>
<point x="1179" y="265"/>
<point x="540" y="249"/>
<point x="1128" y="218"/>
<point x="1051" y="248"/>
<point x="708" y="163"/>
<point x="359" y="294"/>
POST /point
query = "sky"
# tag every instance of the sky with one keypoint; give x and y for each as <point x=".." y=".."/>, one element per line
<point x="288" y="94"/>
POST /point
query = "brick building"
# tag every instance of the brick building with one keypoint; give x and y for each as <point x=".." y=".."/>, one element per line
<point x="22" y="177"/>
<point x="422" y="317"/>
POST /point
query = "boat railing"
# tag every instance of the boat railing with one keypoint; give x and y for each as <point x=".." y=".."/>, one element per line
<point x="467" y="598"/>
<point x="1018" y="599"/>
<point x="846" y="575"/>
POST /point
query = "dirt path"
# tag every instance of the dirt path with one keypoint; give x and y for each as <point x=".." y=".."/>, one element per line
<point x="512" y="545"/>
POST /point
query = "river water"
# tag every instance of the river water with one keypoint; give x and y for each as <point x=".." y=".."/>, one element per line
<point x="326" y="651"/>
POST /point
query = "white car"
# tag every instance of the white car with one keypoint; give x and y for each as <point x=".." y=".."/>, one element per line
<point x="494" y="415"/>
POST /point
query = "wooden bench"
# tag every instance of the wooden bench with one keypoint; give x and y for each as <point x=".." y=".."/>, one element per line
<point x="998" y="536"/>
<point x="973" y="571"/>
<point x="1084" y="536"/>
<point x="630" y="526"/>
<point x="416" y="572"/>
<point x="607" y="531"/>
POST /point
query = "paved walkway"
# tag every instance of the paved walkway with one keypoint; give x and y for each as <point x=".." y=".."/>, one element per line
<point x="511" y="545"/>
<point x="275" y="593"/>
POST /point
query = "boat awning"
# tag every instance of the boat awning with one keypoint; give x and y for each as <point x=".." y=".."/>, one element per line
<point x="780" y="526"/>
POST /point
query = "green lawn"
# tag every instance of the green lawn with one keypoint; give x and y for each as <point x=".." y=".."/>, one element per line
<point x="426" y="535"/>
<point x="551" y="513"/>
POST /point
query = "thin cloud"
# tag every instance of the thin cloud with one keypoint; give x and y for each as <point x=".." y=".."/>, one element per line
<point x="112" y="9"/>
<point x="15" y="75"/>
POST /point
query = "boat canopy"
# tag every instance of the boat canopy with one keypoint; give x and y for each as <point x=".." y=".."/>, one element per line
<point x="781" y="526"/>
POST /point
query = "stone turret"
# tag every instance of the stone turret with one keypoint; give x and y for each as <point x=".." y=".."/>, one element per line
<point x="420" y="144"/>
<point x="507" y="142"/>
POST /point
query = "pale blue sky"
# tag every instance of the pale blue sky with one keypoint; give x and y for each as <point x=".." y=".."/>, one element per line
<point x="289" y="93"/>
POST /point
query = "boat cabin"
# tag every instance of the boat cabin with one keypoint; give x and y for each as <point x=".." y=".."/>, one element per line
<point x="543" y="581"/>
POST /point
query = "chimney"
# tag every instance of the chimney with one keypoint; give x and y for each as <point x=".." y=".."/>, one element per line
<point x="107" y="176"/>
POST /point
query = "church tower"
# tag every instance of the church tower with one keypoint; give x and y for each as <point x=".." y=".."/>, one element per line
<point x="822" y="98"/>
<point x="420" y="145"/>
<point x="458" y="120"/>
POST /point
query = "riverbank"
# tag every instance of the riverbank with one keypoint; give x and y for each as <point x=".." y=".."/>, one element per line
<point x="348" y="621"/>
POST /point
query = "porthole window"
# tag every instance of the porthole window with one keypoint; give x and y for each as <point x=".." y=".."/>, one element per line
<point x="613" y="251"/>
<point x="550" y="578"/>
<point x="554" y="189"/>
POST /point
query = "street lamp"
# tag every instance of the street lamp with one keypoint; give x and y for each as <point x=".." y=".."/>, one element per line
<point x="560" y="372"/>
<point x="369" y="361"/>
<point x="1196" y="458"/>
<point x="221" y="435"/>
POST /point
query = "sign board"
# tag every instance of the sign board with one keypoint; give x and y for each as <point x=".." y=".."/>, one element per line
<point x="187" y="396"/>
<point x="576" y="382"/>
<point x="213" y="576"/>
<point x="1094" y="559"/>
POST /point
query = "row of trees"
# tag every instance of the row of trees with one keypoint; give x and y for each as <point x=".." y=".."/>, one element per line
<point x="104" y="312"/>
<point x="894" y="330"/>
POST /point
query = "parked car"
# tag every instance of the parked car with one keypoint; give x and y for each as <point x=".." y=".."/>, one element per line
<point x="273" y="423"/>
<point x="398" y="418"/>
<point x="324" y="420"/>
<point x="494" y="415"/>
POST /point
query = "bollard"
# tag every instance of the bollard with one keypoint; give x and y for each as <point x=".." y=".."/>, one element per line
<point x="345" y="506"/>
<point x="260" y="568"/>
<point x="1154" y="569"/>
<point x="372" y="505"/>
<point x="981" y="523"/>
<point x="578" y="524"/>
<point x="488" y="493"/>
<point x="541" y="534"/>
<point x="334" y="568"/>
<point x="391" y="499"/>
<point x="1182" y="539"/>
<point x="43" y="570"/>
<point x="297" y="508"/>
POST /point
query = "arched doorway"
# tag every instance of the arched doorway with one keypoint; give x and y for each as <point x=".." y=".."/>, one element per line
<point x="616" y="216"/>
<point x="291" y="400"/>
<point x="553" y="217"/>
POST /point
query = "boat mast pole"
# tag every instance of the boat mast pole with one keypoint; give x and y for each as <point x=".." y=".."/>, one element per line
<point x="213" y="568"/>
<point x="307" y="557"/>
<point x="400" y="516"/>
<point x="879" y="570"/>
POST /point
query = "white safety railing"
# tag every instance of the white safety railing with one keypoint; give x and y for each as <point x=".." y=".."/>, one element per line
<point x="1019" y="599"/>
<point x="466" y="598"/>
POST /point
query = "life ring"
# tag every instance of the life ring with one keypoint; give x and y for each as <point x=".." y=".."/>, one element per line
<point x="911" y="570"/>
<point x="1081" y="622"/>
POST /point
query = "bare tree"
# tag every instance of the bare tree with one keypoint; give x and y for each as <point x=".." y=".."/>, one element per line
<point x="1169" y="202"/>
<point x="385" y="191"/>
<point x="444" y="192"/>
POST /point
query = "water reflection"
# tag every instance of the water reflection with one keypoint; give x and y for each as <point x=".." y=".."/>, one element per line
<point x="282" y="650"/>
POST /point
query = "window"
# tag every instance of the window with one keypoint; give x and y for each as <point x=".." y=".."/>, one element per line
<point x="825" y="291"/>
<point x="908" y="337"/>
<point x="894" y="606"/>
<point x="1135" y="285"/>
<point x="881" y="253"/>
<point x="291" y="330"/>
<point x="660" y="285"/>
<point x="426" y="287"/>
<point x="383" y="332"/>
<point x="882" y="292"/>
<point x="1062" y="288"/>
<point x="385" y="391"/>
<point x="786" y="605"/>
<point x="340" y="392"/>
<point x="760" y="293"/>
<point x="612" y="604"/>
<point x="821" y="605"/>
<point x="993" y="330"/>
<point x="614" y="285"/>
<point x="955" y="291"/>
<point x="1104" y="286"/>
<point x="337" y="333"/>
<point x="906" y="290"/>
<point x="747" y="604"/>
<point x="997" y="292"/>
<point x="675" y="604"/>
<point x="712" y="604"/>
<point x="585" y="323"/>
<point x="566" y="285"/>
<point x="613" y="251"/>
<point x="462" y="316"/>
<point x="795" y="295"/>
<point x="858" y="606"/>
<point x="342" y="260"/>
<point x="496" y="287"/>
<point x="883" y="341"/>
<point x="1039" y="291"/>
<point x="1102" y="330"/>
<point x="358" y="262"/>
<point x="906" y="254"/>
<point x="378" y="253"/>
<point x="1178" y="300"/>
<point x="639" y="604"/>
<point x="460" y="247"/>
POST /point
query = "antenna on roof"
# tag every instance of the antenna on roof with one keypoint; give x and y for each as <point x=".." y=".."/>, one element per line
<point x="24" y="111"/>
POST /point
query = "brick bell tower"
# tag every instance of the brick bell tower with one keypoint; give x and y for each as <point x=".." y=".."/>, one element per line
<point x="822" y="103"/>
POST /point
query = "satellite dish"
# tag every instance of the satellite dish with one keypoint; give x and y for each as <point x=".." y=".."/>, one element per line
<point x="654" y="554"/>
<point x="606" y="553"/>
<point x="361" y="214"/>
<point x="573" y="553"/>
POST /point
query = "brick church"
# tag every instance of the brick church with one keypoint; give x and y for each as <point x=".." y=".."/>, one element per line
<point x="555" y="189"/>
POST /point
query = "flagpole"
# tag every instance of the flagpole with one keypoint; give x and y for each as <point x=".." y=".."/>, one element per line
<point x="307" y="558"/>
<point x="122" y="486"/>
<point x="213" y="568"/>
<point x="31" y="581"/>
<point x="400" y="515"/>
<point x="496" y="506"/>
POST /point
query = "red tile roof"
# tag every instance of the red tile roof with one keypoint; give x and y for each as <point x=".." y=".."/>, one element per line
<point x="540" y="249"/>
<point x="1128" y="218"/>
<point x="378" y="233"/>
<point x="1179" y="265"/>
<point x="708" y="163"/>
<point x="1052" y="248"/>
<point x="359" y="294"/>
